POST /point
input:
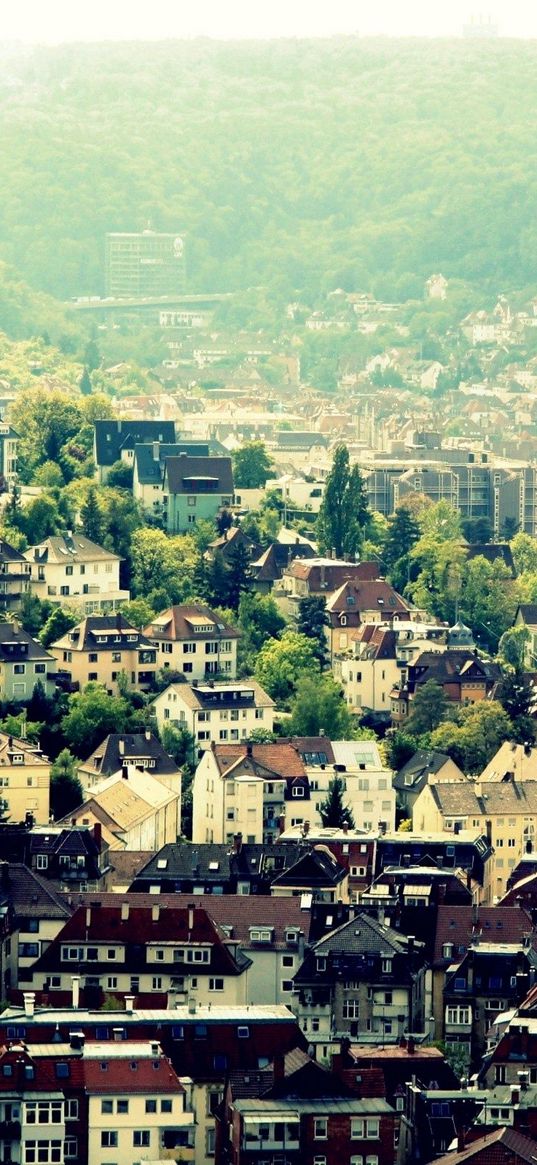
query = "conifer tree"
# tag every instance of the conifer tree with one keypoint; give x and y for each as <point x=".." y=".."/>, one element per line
<point x="91" y="517"/>
<point x="334" y="812"/>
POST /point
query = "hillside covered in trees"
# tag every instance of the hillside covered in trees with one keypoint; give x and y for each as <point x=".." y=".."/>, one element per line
<point x="297" y="166"/>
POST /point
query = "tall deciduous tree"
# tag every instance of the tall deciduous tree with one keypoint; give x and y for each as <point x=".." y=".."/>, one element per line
<point x="344" y="509"/>
<point x="318" y="706"/>
<point x="281" y="662"/>
<point x="428" y="708"/>
<point x="251" y="466"/>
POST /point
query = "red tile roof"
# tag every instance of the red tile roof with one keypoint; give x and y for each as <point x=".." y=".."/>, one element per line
<point x="495" y="924"/>
<point x="151" y="1075"/>
<point x="282" y="760"/>
<point x="500" y="1147"/>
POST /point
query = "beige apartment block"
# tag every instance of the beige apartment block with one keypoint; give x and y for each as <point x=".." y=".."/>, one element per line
<point x="192" y="639"/>
<point x="101" y="648"/>
<point x="215" y="713"/>
<point x="75" y="572"/>
<point x="24" y="780"/>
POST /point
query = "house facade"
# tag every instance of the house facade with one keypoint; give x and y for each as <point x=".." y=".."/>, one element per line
<point x="24" y="662"/>
<point x="195" y="489"/>
<point x="247" y="789"/>
<point x="195" y="641"/>
<point x="24" y="781"/>
<point x="14" y="577"/>
<point x="101" y="648"/>
<point x="215" y="712"/>
<point x="75" y="572"/>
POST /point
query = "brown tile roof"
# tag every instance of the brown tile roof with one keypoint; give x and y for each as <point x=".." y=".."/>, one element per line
<point x="500" y="1147"/>
<point x="369" y="595"/>
<point x="153" y="1075"/>
<point x="329" y="574"/>
<point x="494" y="924"/>
<point x="176" y="624"/>
<point x="461" y="799"/>
<point x="282" y="760"/>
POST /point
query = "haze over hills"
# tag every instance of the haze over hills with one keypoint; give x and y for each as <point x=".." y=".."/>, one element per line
<point x="299" y="166"/>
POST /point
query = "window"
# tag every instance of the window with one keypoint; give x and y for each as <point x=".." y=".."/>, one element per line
<point x="19" y="669"/>
<point x="39" y="669"/>
<point x="42" y="1152"/>
<point x="297" y="791"/>
<point x="319" y="1160"/>
<point x="107" y="1106"/>
<point x="116" y="657"/>
<point x="92" y="657"/>
<point x="287" y="984"/>
<point x="372" y="1130"/>
<point x="123" y="1106"/>
<point x="44" y="1112"/>
<point x="243" y="1033"/>
<point x="141" y="1138"/>
<point x="71" y="1110"/>
<point x="216" y="984"/>
<point x="70" y="1148"/>
<point x="109" y="1139"/>
<point x="150" y="1106"/>
<point x="320" y="1128"/>
<point x="166" y="1105"/>
<point x="157" y="983"/>
<point x="357" y="1128"/>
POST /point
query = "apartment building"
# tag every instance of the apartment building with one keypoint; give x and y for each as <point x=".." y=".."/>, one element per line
<point x="103" y="647"/>
<point x="146" y="951"/>
<point x="75" y="572"/>
<point x="367" y="783"/>
<point x="247" y="789"/>
<point x="24" y="662"/>
<point x="369" y="661"/>
<point x="148" y="476"/>
<point x="14" y="577"/>
<point x="504" y="811"/>
<point x="195" y="488"/>
<point x="368" y="601"/>
<point x="215" y="712"/>
<point x="133" y="810"/>
<point x="24" y="781"/>
<point x="135" y="750"/>
<point x="464" y="677"/>
<point x="116" y="441"/>
<point x="194" y="640"/>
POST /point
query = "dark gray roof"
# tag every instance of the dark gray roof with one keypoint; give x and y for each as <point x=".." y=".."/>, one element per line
<point x="424" y="761"/>
<point x="29" y="895"/>
<point x="214" y="862"/>
<point x="112" y="436"/>
<point x="9" y="554"/>
<point x="17" y="646"/>
<point x="313" y="869"/>
<point x="114" y="629"/>
<point x="363" y="934"/>
<point x="149" y="459"/>
<point x="107" y="758"/>
<point x="199" y="475"/>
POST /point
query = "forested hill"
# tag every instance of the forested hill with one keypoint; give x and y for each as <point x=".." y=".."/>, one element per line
<point x="295" y="165"/>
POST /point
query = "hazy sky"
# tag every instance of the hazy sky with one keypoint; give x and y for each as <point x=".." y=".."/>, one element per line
<point x="67" y="20"/>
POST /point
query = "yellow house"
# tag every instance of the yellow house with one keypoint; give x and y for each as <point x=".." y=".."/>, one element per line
<point x="24" y="780"/>
<point x="71" y="570"/>
<point x="101" y="648"/>
<point x="506" y="811"/>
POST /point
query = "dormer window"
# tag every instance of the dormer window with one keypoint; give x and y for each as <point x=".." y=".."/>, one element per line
<point x="343" y="620"/>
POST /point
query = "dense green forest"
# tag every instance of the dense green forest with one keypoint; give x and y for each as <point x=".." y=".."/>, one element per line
<point x="298" y="166"/>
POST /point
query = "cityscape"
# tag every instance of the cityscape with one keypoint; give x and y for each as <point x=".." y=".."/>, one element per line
<point x="268" y="601"/>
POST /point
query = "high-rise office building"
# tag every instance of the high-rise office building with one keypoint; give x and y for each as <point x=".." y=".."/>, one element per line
<point x="144" y="264"/>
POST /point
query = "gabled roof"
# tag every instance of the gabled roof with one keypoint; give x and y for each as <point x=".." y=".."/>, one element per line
<point x="381" y="642"/>
<point x="125" y="802"/>
<point x="112" y="436"/>
<point x="363" y="934"/>
<point x="528" y="613"/>
<point x="121" y="748"/>
<point x="204" y="475"/>
<point x="9" y="554"/>
<point x="353" y="597"/>
<point x="150" y="468"/>
<point x="17" y="646"/>
<point x="413" y="775"/>
<point x="29" y="895"/>
<point x="185" y="622"/>
<point x="11" y="745"/>
<point x="69" y="548"/>
<point x="272" y="563"/>
<point x="115" y="630"/>
<point x="216" y="862"/>
<point x="477" y="799"/>
<point x="220" y="694"/>
<point x="317" y="867"/>
<point x="462" y="925"/>
<point x="281" y="761"/>
<point x="325" y="575"/>
<point x="502" y="1146"/>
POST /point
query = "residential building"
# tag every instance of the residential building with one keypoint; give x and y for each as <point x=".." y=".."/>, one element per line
<point x="526" y="616"/>
<point x="409" y="899"/>
<point x="192" y="639"/>
<point x="502" y="1146"/>
<point x="215" y="711"/>
<point x="205" y="1043"/>
<point x="138" y="750"/>
<point x="71" y="570"/>
<point x="35" y="912"/>
<point x="116" y="441"/>
<point x="271" y="564"/>
<point x="215" y="869"/>
<point x="424" y="768"/>
<point x="102" y="648"/>
<point x="357" y="764"/>
<point x="369" y="661"/>
<point x="354" y="849"/>
<point x="14" y="577"/>
<point x="134" y="810"/>
<point x="231" y="541"/>
<point x="24" y="662"/>
<point x="148" y="471"/>
<point x="195" y="489"/>
<point x="320" y="576"/>
<point x="143" y="951"/>
<point x="362" y="979"/>
<point x="468" y="850"/>
<point x="24" y="781"/>
<point x="9" y="441"/>
<point x="464" y="677"/>
<point x="505" y="811"/>
<point x="315" y="877"/>
<point x="512" y="761"/>
<point x="357" y="602"/>
<point x="245" y="788"/>
<point x="144" y="264"/>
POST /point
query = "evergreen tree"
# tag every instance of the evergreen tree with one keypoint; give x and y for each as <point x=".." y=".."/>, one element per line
<point x="403" y="533"/>
<point x="334" y="812"/>
<point x="217" y="591"/>
<point x="344" y="509"/>
<point x="85" y="384"/>
<point x="238" y="575"/>
<point x="428" y="708"/>
<point x="66" y="791"/>
<point x="312" y="620"/>
<point x="92" y="356"/>
<point x="92" y="518"/>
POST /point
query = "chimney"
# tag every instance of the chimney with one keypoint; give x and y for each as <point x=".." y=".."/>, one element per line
<point x="148" y="734"/>
<point x="155" y="912"/>
<point x="75" y="997"/>
<point x="29" y="1003"/>
<point x="156" y="451"/>
<point x="305" y="828"/>
<point x="124" y="772"/>
<point x="124" y="911"/>
<point x="190" y="917"/>
<point x="411" y="1046"/>
<point x="129" y="1004"/>
<point x="121" y="747"/>
<point x="98" y="834"/>
<point x="237" y="843"/>
<point x="191" y="1005"/>
<point x="278" y="1068"/>
<point x="249" y="750"/>
<point x="88" y="917"/>
<point x="523" y="1080"/>
<point x="515" y="1094"/>
<point x="345" y="827"/>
